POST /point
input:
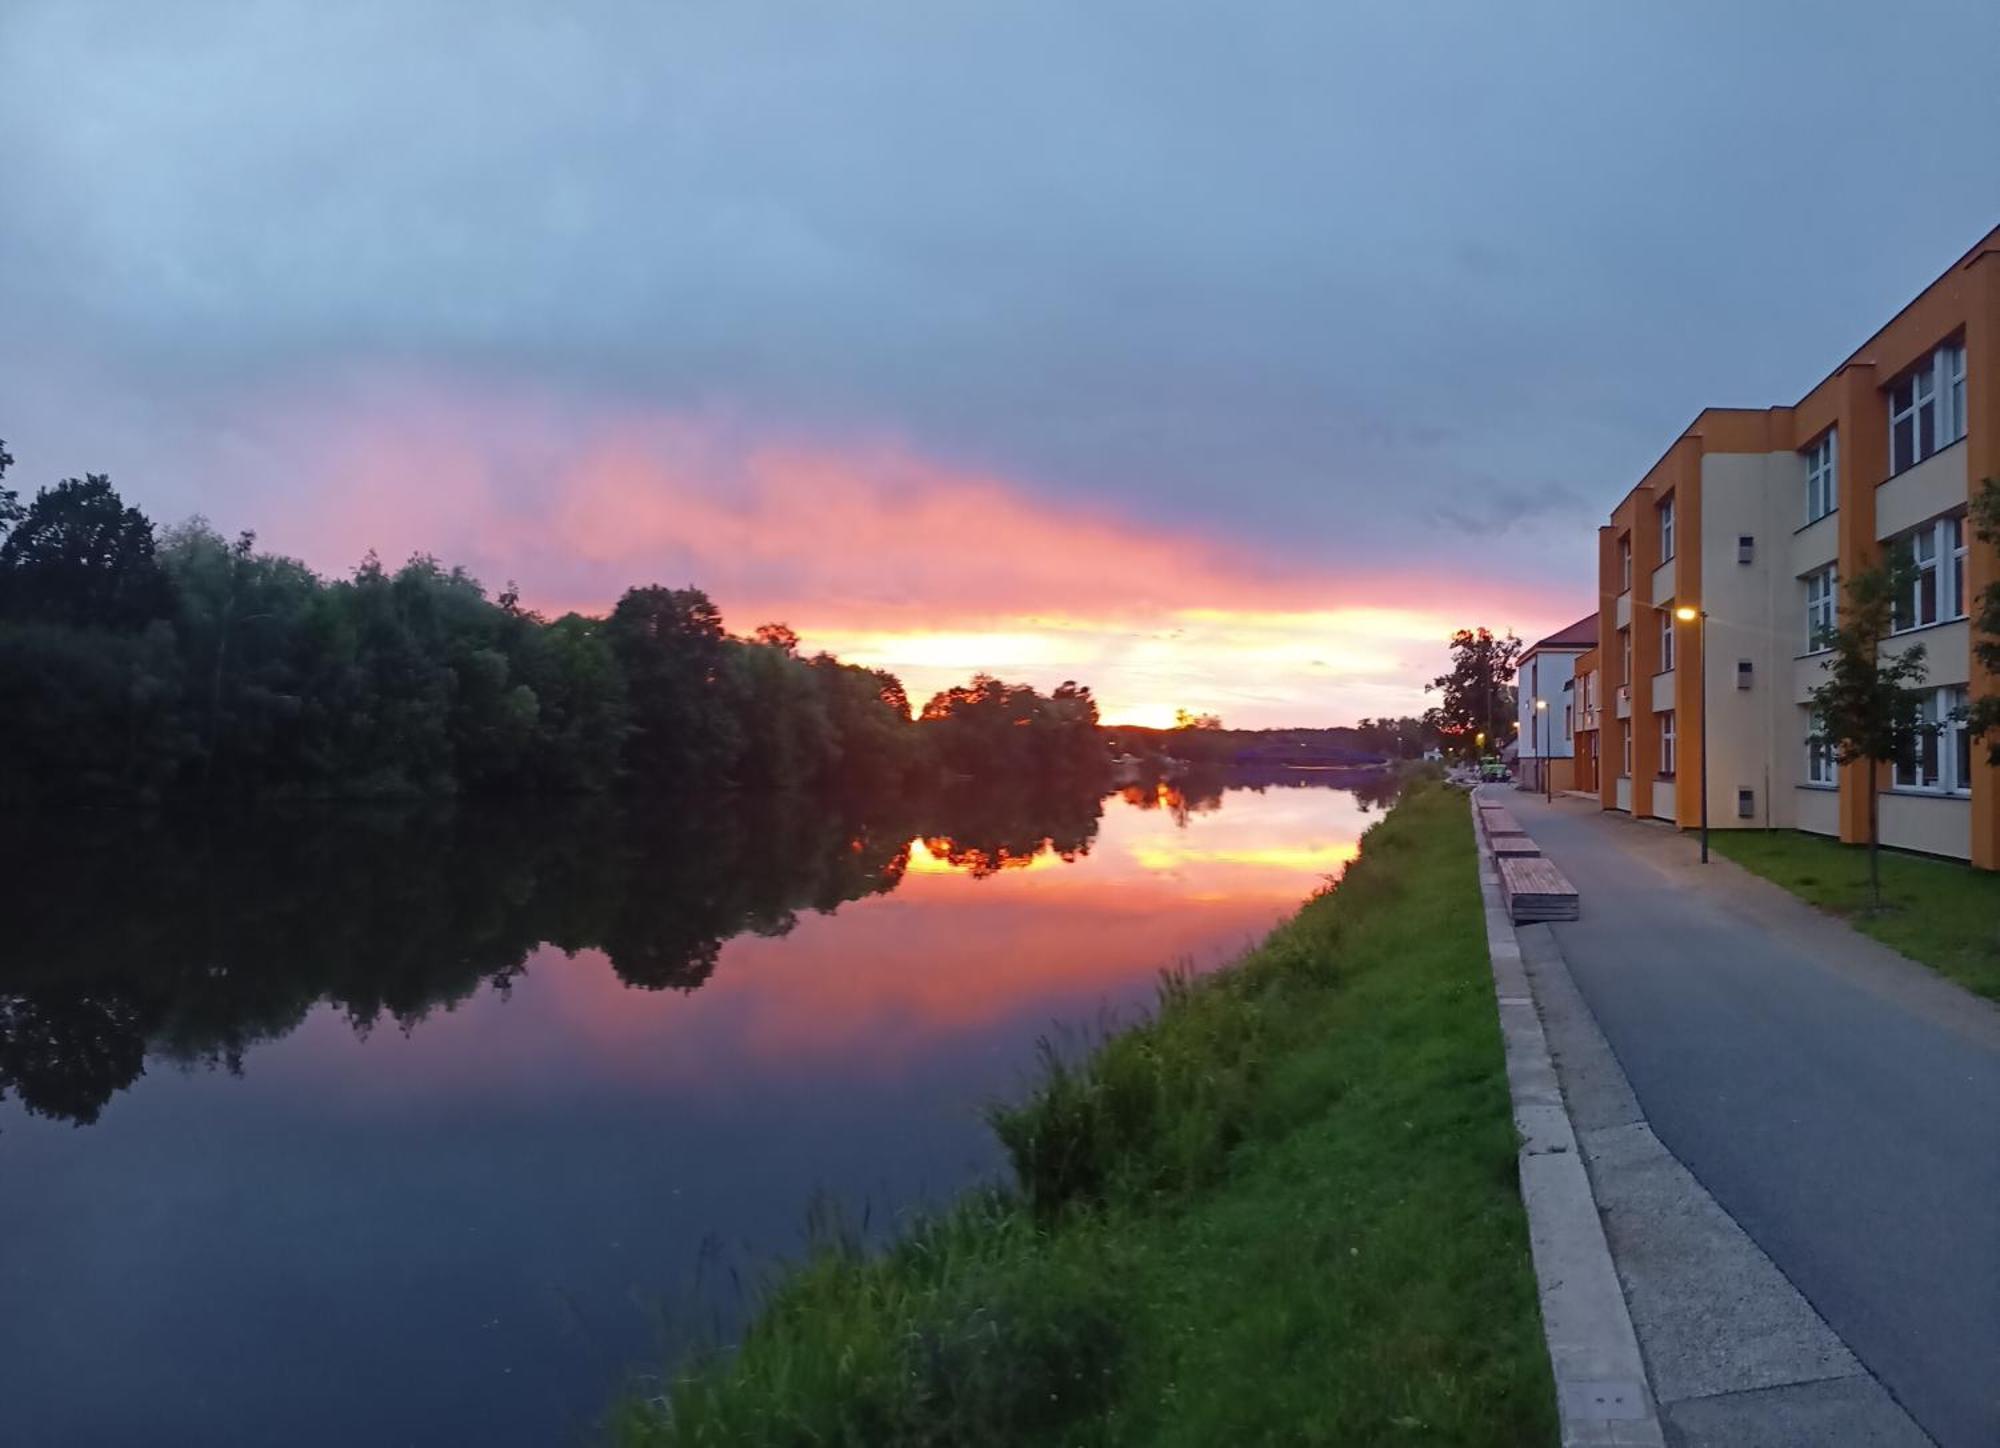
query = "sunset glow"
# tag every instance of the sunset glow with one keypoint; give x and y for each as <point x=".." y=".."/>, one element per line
<point x="870" y="551"/>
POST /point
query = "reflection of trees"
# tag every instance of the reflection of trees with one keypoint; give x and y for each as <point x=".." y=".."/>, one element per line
<point x="993" y="830"/>
<point x="1196" y="792"/>
<point x="195" y="942"/>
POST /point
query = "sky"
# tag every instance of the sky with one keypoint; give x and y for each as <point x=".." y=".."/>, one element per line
<point x="1220" y="357"/>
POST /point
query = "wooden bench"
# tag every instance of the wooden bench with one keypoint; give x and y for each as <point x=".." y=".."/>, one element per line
<point x="1495" y="820"/>
<point x="1535" y="890"/>
<point x="1512" y="845"/>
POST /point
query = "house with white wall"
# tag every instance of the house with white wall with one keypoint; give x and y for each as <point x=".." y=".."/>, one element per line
<point x="1548" y="706"/>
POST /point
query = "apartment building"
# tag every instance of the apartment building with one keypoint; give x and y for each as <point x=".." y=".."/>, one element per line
<point x="1544" y="692"/>
<point x="1720" y="572"/>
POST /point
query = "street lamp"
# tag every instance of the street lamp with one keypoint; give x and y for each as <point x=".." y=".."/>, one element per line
<point x="1699" y="618"/>
<point x="1541" y="733"/>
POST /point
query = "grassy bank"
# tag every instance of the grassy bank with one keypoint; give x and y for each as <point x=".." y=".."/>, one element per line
<point x="1945" y="914"/>
<point x="1283" y="1212"/>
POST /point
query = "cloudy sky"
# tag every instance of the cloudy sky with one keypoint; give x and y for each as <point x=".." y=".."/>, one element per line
<point x="1217" y="355"/>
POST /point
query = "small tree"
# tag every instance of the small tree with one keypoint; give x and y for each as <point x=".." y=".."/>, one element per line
<point x="1983" y="718"/>
<point x="1868" y="708"/>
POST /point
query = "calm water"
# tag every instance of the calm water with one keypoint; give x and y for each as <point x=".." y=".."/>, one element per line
<point x="417" y="1129"/>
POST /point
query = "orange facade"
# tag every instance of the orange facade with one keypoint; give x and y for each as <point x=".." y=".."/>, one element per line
<point x="1962" y="306"/>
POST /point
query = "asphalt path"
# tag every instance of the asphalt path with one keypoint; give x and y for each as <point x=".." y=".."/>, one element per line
<point x="1841" y="1102"/>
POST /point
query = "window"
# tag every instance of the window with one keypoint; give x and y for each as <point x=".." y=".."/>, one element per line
<point x="1625" y="744"/>
<point x="1927" y="407"/>
<point x="1936" y="755"/>
<point x="1822" y="496"/>
<point x="1666" y="512"/>
<point x="1819" y="752"/>
<point x="1936" y="551"/>
<point x="1952" y="548"/>
<point x="1625" y="563"/>
<point x="1667" y="745"/>
<point x="1822" y="603"/>
<point x="1666" y="638"/>
<point x="1958" y="738"/>
<point x="1569" y="722"/>
<point x="1625" y="648"/>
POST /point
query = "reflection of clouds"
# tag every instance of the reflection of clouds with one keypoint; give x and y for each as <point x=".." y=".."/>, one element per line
<point x="1290" y="859"/>
<point x="888" y="980"/>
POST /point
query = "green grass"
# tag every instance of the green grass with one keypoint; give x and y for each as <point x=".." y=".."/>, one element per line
<point x="1285" y="1211"/>
<point x="1942" y="913"/>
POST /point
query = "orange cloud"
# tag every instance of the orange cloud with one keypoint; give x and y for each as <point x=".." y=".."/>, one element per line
<point x="882" y="556"/>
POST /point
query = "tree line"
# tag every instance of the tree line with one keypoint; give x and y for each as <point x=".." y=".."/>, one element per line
<point x="143" y="664"/>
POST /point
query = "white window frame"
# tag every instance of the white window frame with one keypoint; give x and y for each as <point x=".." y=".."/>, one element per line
<point x="1822" y="770"/>
<point x="1822" y="462"/>
<point x="1957" y="740"/>
<point x="1932" y="765"/>
<point x="1665" y="509"/>
<point x="1625" y="564"/>
<point x="1625" y="747"/>
<point x="1951" y="551"/>
<point x="1932" y="392"/>
<point x="1822" y="606"/>
<point x="1666" y="638"/>
<point x="1668" y="759"/>
<point x="1937" y="549"/>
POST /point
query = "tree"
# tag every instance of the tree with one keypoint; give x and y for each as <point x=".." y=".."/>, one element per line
<point x="1478" y="690"/>
<point x="778" y="636"/>
<point x="10" y="501"/>
<point x="1186" y="720"/>
<point x="671" y="645"/>
<point x="1983" y="719"/>
<point x="79" y="556"/>
<point x="1869" y="708"/>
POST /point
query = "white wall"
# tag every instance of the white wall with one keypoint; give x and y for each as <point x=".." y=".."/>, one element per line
<point x="1935" y="824"/>
<point x="1756" y="611"/>
<point x="1542" y="675"/>
<point x="1916" y="495"/>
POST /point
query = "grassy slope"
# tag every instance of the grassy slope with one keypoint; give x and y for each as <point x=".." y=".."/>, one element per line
<point x="1945" y="914"/>
<point x="1285" y="1211"/>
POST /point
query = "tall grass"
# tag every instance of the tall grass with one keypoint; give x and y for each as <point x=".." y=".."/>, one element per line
<point x="1282" y="1210"/>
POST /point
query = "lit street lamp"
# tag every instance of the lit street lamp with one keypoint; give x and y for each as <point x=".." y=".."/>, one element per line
<point x="1699" y="617"/>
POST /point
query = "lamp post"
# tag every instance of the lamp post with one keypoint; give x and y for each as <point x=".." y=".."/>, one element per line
<point x="1699" y="618"/>
<point x="1541" y="731"/>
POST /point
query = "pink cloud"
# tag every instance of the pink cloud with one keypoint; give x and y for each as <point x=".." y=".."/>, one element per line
<point x="870" y="548"/>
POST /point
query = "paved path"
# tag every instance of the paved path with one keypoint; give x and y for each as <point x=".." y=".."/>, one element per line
<point x="1840" y="1102"/>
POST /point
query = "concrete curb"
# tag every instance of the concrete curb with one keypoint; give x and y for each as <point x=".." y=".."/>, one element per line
<point x="1602" y="1394"/>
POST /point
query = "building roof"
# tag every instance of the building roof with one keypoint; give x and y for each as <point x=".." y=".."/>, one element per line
<point x="1579" y="636"/>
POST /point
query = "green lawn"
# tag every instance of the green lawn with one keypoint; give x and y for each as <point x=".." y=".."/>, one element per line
<point x="1284" y="1212"/>
<point x="1945" y="914"/>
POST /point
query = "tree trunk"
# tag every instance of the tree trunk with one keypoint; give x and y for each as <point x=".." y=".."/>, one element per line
<point x="1874" y="841"/>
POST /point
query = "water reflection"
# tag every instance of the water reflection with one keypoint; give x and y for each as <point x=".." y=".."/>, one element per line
<point x="420" y="1127"/>
<point x="193" y="945"/>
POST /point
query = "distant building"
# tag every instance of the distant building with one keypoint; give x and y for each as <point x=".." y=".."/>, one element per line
<point x="1721" y="571"/>
<point x="1546" y="694"/>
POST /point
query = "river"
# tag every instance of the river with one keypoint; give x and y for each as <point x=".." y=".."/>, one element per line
<point x="439" y="1127"/>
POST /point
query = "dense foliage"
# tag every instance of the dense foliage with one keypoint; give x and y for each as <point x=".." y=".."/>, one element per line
<point x="145" y="666"/>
